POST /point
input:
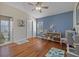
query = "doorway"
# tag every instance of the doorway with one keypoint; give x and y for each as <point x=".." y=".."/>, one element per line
<point x="5" y="29"/>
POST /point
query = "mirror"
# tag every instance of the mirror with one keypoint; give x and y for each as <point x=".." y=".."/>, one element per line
<point x="77" y="14"/>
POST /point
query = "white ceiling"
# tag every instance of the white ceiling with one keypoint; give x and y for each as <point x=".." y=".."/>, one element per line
<point x="54" y="8"/>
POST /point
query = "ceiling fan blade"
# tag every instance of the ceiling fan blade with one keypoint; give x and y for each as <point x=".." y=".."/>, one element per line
<point x="38" y="3"/>
<point x="40" y="11"/>
<point x="45" y="7"/>
<point x="31" y="4"/>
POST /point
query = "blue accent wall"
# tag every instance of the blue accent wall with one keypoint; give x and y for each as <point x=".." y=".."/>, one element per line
<point x="62" y="22"/>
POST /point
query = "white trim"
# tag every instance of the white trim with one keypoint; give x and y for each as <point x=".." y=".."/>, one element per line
<point x="6" y="43"/>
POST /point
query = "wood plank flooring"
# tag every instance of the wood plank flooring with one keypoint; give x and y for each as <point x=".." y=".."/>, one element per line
<point x="34" y="48"/>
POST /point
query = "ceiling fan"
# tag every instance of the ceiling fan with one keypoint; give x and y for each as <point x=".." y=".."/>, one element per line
<point x="38" y="6"/>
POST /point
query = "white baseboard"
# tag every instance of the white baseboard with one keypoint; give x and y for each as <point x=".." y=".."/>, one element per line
<point x="21" y="42"/>
<point x="6" y="43"/>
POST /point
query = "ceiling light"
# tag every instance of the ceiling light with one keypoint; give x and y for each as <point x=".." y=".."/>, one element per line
<point x="38" y="8"/>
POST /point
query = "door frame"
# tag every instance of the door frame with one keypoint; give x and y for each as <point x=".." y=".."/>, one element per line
<point x="10" y="31"/>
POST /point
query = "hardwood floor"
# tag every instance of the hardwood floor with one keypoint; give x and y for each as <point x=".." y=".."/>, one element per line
<point x="34" y="48"/>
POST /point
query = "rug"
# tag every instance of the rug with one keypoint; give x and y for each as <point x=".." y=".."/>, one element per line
<point x="55" y="52"/>
<point x="22" y="42"/>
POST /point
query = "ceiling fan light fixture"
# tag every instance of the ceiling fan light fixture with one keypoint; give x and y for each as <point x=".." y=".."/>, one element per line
<point x="38" y="8"/>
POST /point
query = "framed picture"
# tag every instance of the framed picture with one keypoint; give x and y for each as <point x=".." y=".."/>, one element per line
<point x="21" y="23"/>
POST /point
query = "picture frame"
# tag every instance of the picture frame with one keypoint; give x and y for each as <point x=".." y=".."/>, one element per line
<point x="21" y="23"/>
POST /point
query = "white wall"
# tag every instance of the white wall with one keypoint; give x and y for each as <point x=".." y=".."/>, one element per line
<point x="18" y="32"/>
<point x="34" y="27"/>
<point x="31" y="27"/>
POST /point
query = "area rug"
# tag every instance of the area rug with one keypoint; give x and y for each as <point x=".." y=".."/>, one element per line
<point x="55" y="52"/>
<point x="22" y="42"/>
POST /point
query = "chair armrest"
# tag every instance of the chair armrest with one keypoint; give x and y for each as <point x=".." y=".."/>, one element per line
<point x="75" y="44"/>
